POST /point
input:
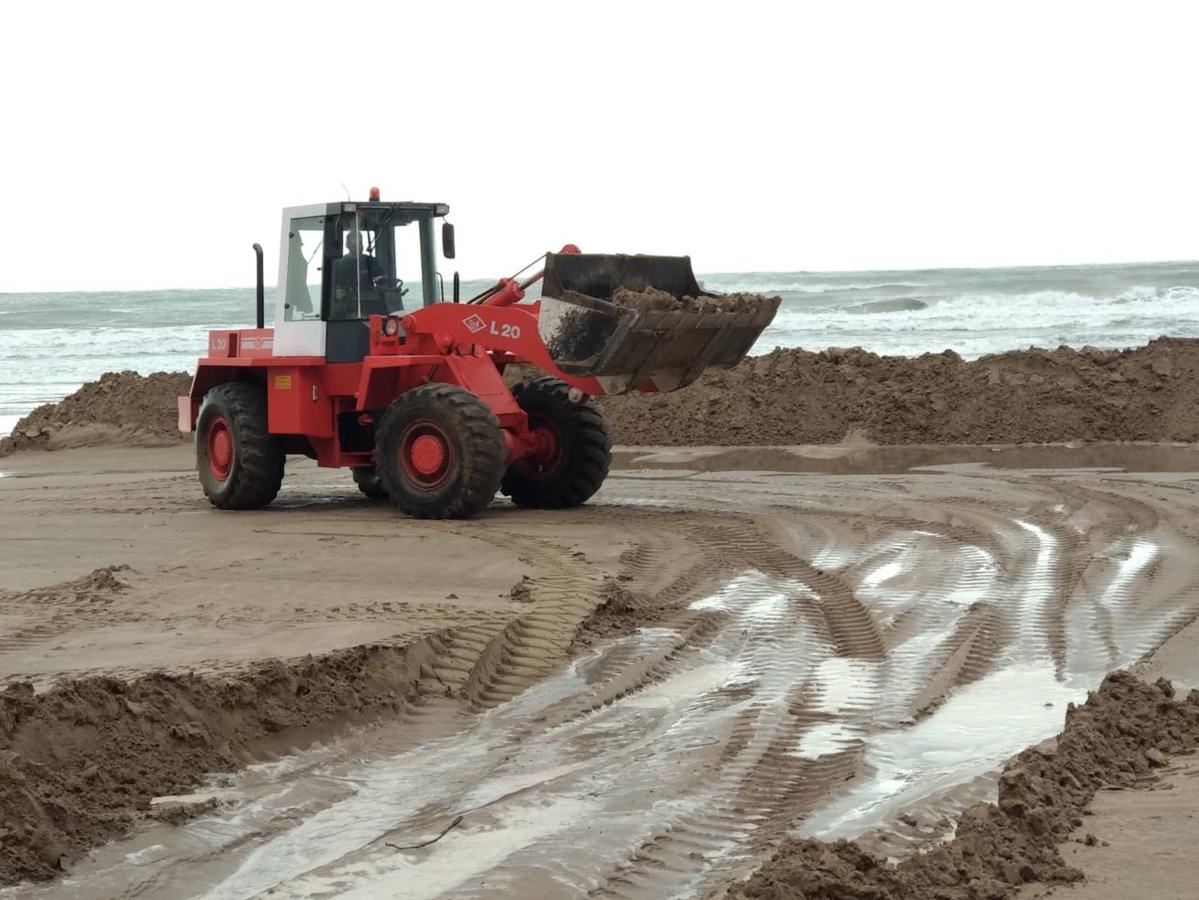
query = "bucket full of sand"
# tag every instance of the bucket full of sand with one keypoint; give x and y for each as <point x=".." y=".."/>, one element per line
<point x="643" y="321"/>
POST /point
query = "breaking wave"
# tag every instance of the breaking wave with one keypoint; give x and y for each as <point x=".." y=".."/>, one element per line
<point x="899" y="304"/>
<point x="974" y="324"/>
<point x="739" y="284"/>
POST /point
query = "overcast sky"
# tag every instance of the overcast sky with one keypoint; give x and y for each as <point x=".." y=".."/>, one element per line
<point x="148" y="147"/>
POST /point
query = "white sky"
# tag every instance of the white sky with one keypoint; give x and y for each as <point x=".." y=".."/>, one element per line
<point x="145" y="146"/>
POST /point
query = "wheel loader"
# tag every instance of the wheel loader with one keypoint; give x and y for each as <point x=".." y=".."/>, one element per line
<point x="409" y="392"/>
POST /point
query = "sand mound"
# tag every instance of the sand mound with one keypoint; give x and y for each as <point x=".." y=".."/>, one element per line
<point x="1124" y="731"/>
<point x="1028" y="396"/>
<point x="122" y="408"/>
<point x="790" y="397"/>
<point x="95" y="587"/>
<point x="81" y="762"/>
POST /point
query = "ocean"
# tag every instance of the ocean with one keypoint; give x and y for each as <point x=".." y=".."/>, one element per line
<point x="50" y="344"/>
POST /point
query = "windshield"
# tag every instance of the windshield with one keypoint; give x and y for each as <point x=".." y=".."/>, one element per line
<point x="378" y="254"/>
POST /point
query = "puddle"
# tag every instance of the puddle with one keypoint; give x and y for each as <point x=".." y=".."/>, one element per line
<point x="1037" y="591"/>
<point x="836" y="460"/>
<point x="558" y="787"/>
<point x="1109" y="626"/>
<point x="976" y="730"/>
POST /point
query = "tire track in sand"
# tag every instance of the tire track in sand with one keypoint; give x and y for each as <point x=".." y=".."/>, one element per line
<point x="794" y="670"/>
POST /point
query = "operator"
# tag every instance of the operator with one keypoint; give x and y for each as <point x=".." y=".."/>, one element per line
<point x="347" y="273"/>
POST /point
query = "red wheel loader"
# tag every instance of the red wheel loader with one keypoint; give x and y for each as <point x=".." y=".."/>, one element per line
<point x="409" y="391"/>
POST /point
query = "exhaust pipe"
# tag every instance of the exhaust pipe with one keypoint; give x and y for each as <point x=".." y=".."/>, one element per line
<point x="259" y="290"/>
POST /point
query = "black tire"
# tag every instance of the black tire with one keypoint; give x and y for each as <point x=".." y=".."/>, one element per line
<point x="369" y="482"/>
<point x="240" y="463"/>
<point x="582" y="455"/>
<point x="439" y="452"/>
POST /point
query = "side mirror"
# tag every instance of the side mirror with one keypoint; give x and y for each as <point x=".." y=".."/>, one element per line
<point x="447" y="240"/>
<point x="335" y="250"/>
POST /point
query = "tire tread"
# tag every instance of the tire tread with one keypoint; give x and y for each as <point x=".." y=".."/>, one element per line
<point x="483" y="453"/>
<point x="257" y="473"/>
<point x="589" y="449"/>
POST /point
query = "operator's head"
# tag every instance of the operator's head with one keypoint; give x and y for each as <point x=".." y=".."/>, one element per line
<point x="351" y="242"/>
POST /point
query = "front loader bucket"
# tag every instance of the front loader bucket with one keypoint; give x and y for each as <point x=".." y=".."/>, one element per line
<point x="631" y="319"/>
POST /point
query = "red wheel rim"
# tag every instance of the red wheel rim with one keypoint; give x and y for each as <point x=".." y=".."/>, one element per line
<point x="219" y="442"/>
<point x="550" y="447"/>
<point x="426" y="454"/>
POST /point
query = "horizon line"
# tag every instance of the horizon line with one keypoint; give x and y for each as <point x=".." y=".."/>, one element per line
<point x="272" y="286"/>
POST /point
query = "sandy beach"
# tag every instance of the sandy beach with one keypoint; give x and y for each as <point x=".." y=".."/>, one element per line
<point x="643" y="695"/>
<point x="517" y="461"/>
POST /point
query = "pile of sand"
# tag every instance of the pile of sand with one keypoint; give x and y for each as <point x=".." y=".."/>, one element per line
<point x="81" y="762"/>
<point x="122" y="408"/>
<point x="1121" y="734"/>
<point x="1150" y="393"/>
<point x="654" y="299"/>
<point x="1027" y="396"/>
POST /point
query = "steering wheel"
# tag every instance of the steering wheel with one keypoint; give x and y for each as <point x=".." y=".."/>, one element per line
<point x="381" y="282"/>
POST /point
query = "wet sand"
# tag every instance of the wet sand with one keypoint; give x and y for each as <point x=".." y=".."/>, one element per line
<point x="321" y="569"/>
<point x="821" y="641"/>
<point x="1142" y="843"/>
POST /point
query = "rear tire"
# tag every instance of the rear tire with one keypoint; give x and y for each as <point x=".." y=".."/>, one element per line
<point x="369" y="482"/>
<point x="440" y="452"/>
<point x="239" y="462"/>
<point x="582" y="448"/>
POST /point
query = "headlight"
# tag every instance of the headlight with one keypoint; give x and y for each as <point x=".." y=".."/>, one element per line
<point x="391" y="326"/>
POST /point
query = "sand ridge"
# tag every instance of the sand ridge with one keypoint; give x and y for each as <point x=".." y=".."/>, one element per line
<point x="788" y="396"/>
<point x="793" y="396"/>
<point x="82" y="761"/>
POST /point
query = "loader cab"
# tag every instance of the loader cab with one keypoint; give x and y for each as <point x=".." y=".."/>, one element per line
<point x="341" y="263"/>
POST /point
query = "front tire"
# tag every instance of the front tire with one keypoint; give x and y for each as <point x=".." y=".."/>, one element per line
<point x="578" y="449"/>
<point x="439" y="452"/>
<point x="239" y="462"/>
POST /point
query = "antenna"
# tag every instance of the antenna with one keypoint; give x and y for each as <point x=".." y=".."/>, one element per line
<point x="346" y="189"/>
